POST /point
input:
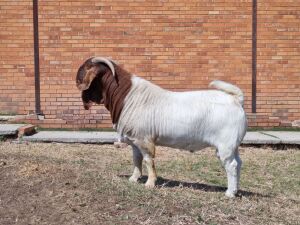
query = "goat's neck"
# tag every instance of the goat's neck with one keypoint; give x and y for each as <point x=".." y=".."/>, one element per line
<point x="114" y="90"/>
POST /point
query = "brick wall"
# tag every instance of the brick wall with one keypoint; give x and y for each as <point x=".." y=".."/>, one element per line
<point x="16" y="58"/>
<point x="278" y="61"/>
<point x="180" y="45"/>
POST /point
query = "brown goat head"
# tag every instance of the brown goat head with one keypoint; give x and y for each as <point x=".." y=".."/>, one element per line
<point x="91" y="68"/>
<point x="88" y="79"/>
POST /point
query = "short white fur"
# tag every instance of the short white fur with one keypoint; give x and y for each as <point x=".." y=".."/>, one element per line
<point x="186" y="120"/>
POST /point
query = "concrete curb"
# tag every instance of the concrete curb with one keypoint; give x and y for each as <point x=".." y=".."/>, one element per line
<point x="6" y="118"/>
<point x="95" y="137"/>
<point x="73" y="137"/>
<point x="10" y="129"/>
<point x="258" y="137"/>
<point x="272" y="137"/>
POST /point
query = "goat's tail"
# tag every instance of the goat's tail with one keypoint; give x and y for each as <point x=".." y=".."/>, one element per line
<point x="228" y="88"/>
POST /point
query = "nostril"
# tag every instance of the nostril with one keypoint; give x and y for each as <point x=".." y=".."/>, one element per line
<point x="82" y="87"/>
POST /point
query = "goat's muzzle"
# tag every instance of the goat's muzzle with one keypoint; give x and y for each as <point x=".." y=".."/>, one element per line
<point x="87" y="105"/>
<point x="82" y="86"/>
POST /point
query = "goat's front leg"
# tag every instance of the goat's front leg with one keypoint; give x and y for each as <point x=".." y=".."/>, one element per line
<point x="137" y="162"/>
<point x="147" y="148"/>
<point x="152" y="177"/>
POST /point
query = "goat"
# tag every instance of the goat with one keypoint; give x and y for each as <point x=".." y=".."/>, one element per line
<point x="146" y="115"/>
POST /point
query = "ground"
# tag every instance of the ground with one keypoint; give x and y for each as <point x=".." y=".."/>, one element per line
<point x="54" y="183"/>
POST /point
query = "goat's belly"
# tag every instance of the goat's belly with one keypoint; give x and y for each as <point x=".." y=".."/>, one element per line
<point x="182" y="143"/>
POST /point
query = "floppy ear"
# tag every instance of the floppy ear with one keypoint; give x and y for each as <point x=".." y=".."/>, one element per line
<point x="89" y="76"/>
<point x="89" y="70"/>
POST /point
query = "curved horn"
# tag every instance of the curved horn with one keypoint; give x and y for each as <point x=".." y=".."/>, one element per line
<point x="105" y="61"/>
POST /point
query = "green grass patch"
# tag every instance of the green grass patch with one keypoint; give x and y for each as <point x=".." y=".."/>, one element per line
<point x="296" y="129"/>
<point x="8" y="113"/>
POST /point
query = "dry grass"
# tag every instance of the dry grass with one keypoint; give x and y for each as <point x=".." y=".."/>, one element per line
<point x="87" y="184"/>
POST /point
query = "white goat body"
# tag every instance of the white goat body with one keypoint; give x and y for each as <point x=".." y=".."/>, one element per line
<point x="186" y="120"/>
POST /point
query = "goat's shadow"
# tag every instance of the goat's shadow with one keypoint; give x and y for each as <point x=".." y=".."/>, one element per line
<point x="166" y="183"/>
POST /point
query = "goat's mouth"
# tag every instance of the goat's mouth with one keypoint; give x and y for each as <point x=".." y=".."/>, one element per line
<point x="87" y="105"/>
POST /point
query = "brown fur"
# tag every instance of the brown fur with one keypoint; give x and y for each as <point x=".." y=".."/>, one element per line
<point x="103" y="87"/>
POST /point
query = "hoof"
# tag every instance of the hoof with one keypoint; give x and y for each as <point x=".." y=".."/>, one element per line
<point x="133" y="179"/>
<point x="150" y="184"/>
<point x="230" y="194"/>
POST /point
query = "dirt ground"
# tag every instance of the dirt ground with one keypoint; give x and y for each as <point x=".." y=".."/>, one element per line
<point x="54" y="183"/>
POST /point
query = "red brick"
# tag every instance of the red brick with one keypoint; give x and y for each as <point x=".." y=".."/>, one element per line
<point x="26" y="130"/>
<point x="179" y="52"/>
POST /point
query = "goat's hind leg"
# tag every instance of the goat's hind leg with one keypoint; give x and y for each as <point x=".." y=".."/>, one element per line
<point x="231" y="161"/>
<point x="137" y="162"/>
